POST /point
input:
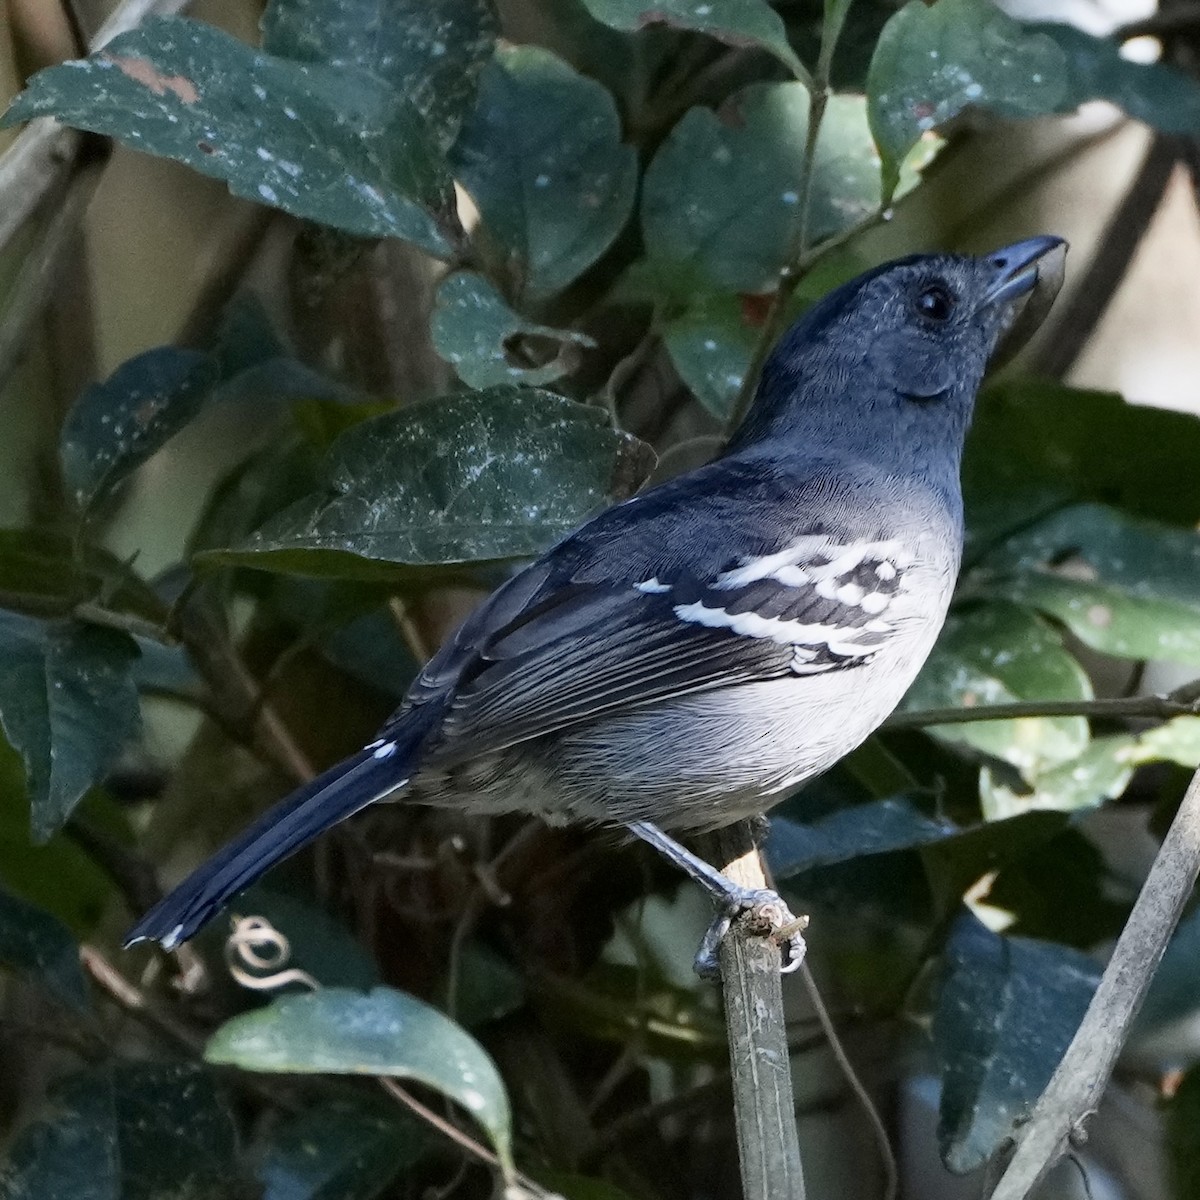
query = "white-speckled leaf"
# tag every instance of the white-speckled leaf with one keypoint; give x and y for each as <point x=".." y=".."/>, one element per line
<point x="381" y="1032"/>
<point x="429" y="51"/>
<point x="933" y="60"/>
<point x="542" y="157"/>
<point x="723" y="192"/>
<point x="736" y="22"/>
<point x="470" y="477"/>
<point x="328" y="143"/>
<point x="474" y="331"/>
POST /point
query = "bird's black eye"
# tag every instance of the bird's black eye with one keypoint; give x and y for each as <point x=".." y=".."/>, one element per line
<point x="934" y="302"/>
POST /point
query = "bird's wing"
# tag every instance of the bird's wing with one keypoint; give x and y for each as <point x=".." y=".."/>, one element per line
<point x="626" y="614"/>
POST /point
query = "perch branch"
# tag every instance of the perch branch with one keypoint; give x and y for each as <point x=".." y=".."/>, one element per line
<point x="1075" y="1090"/>
<point x="764" y="1107"/>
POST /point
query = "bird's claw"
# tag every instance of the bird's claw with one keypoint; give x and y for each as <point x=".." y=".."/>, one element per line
<point x="767" y="916"/>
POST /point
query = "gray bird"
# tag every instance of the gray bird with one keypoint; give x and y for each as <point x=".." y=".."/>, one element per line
<point x="686" y="658"/>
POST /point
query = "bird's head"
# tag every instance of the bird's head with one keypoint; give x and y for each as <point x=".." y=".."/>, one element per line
<point x="888" y="365"/>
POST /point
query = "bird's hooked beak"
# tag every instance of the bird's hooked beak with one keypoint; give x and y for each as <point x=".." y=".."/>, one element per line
<point x="1027" y="278"/>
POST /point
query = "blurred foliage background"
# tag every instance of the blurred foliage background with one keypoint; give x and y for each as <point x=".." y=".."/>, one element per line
<point x="339" y="307"/>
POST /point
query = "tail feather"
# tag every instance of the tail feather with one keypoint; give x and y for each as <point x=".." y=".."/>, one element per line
<point x="339" y="793"/>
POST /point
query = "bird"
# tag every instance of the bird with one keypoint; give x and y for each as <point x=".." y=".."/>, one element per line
<point x="688" y="657"/>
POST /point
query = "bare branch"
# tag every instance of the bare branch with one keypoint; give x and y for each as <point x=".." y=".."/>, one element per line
<point x="1075" y="1090"/>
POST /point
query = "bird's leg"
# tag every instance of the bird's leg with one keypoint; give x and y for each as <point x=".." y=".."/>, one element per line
<point x="731" y="900"/>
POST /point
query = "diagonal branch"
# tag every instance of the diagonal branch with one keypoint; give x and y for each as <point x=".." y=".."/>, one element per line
<point x="1077" y="1086"/>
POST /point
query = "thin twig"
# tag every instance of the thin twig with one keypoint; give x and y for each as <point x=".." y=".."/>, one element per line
<point x="1122" y="235"/>
<point x="1078" y="1084"/>
<point x="1184" y="701"/>
<point x="763" y="1103"/>
<point x="1176" y="19"/>
<point x="891" y="1174"/>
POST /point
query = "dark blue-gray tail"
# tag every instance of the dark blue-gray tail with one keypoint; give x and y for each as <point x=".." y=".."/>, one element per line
<point x="340" y="792"/>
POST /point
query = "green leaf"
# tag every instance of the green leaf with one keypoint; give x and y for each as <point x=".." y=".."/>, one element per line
<point x="342" y="1149"/>
<point x="542" y="158"/>
<point x="1156" y="93"/>
<point x="877" y="827"/>
<point x="737" y="22"/>
<point x="1033" y="445"/>
<point x="464" y="478"/>
<point x="1007" y="1011"/>
<point x="382" y="1032"/>
<point x="138" y="1131"/>
<point x="723" y="193"/>
<point x="475" y="331"/>
<point x="116" y="425"/>
<point x="581" y="1187"/>
<point x="1122" y="586"/>
<point x="998" y="654"/>
<point x="67" y="706"/>
<point x="488" y="986"/>
<point x="43" y="573"/>
<point x="711" y="345"/>
<point x="32" y="940"/>
<point x="320" y="142"/>
<point x="430" y="51"/>
<point x="933" y="60"/>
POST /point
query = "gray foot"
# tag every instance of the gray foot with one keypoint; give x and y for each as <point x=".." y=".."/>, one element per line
<point x="770" y="916"/>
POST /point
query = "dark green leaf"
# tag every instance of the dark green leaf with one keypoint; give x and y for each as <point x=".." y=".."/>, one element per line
<point x="339" y="1150"/>
<point x="737" y="22"/>
<point x="475" y="331"/>
<point x="32" y="940"/>
<point x="464" y="478"/>
<point x="1122" y="586"/>
<point x="1174" y="994"/>
<point x="488" y="987"/>
<point x="1033" y="445"/>
<point x="321" y="142"/>
<point x="430" y="51"/>
<point x="997" y="654"/>
<point x="118" y="424"/>
<point x="1007" y="1011"/>
<point x="67" y="705"/>
<point x="723" y="194"/>
<point x="382" y="1032"/>
<point x="58" y="877"/>
<point x="137" y="1131"/>
<point x="933" y="60"/>
<point x="1158" y="94"/>
<point x="710" y="346"/>
<point x="46" y="574"/>
<point x="877" y="827"/>
<point x="542" y="158"/>
<point x="1183" y="1137"/>
<point x="317" y="942"/>
<point x="581" y="1187"/>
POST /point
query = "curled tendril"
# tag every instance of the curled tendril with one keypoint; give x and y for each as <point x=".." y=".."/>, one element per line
<point x="254" y="946"/>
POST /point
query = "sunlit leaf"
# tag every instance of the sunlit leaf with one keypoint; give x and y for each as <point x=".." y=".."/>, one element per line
<point x="542" y="158"/>
<point x="999" y="654"/>
<point x="381" y="1032"/>
<point x="933" y="60"/>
